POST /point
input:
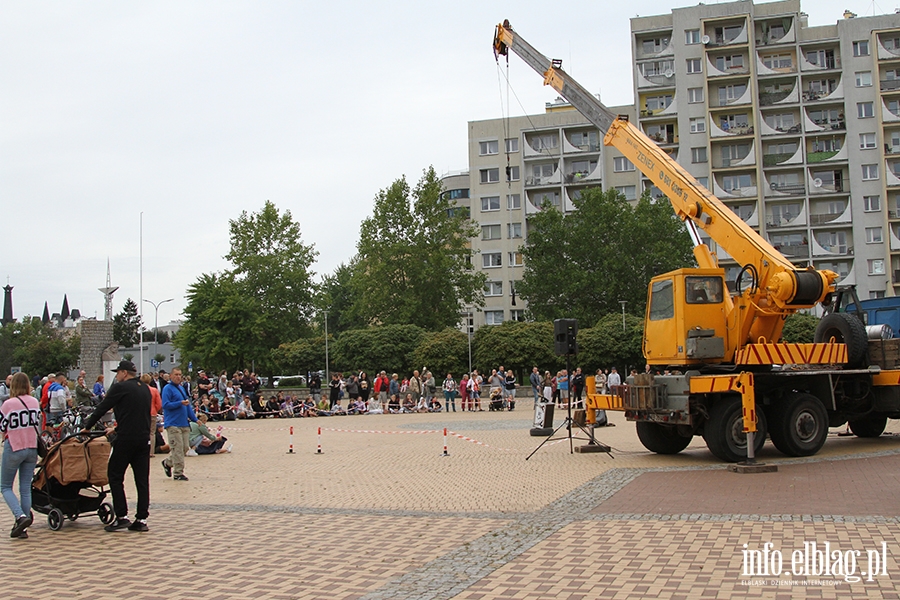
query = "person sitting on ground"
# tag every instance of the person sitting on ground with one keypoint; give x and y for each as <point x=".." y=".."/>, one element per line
<point x="409" y="405"/>
<point x="244" y="410"/>
<point x="286" y="410"/>
<point x="358" y="407"/>
<point x="256" y="401"/>
<point x="323" y="407"/>
<point x="394" y="404"/>
<point x="202" y="440"/>
<point x="308" y="407"/>
<point x="159" y="445"/>
<point x="337" y="409"/>
<point x="272" y="407"/>
<point x="435" y="405"/>
<point x="374" y="406"/>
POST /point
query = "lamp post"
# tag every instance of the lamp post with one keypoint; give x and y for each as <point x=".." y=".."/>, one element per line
<point x="326" y="345"/>
<point x="156" y="306"/>
<point x="469" y="326"/>
<point x="622" y="302"/>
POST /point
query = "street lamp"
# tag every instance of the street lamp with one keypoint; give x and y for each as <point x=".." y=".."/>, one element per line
<point x="156" y="306"/>
<point x="469" y="326"/>
<point x="622" y="302"/>
<point x="326" y="345"/>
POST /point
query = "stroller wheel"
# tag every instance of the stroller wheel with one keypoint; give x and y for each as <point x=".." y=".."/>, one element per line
<point x="55" y="519"/>
<point x="106" y="514"/>
<point x="72" y="517"/>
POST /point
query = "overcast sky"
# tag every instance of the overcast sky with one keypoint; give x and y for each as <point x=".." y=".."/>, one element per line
<point x="195" y="111"/>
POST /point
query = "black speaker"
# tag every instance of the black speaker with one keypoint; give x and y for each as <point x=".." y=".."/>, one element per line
<point x="564" y="334"/>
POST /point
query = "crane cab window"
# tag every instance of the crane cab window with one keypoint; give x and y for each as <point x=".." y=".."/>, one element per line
<point x="703" y="290"/>
<point x="662" y="300"/>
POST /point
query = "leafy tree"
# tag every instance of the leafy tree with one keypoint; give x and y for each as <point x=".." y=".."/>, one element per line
<point x="128" y="356"/>
<point x="516" y="345"/>
<point x="606" y="344"/>
<point x="223" y="326"/>
<point x="336" y="297"/>
<point x="38" y="348"/>
<point x="272" y="265"/>
<point x="413" y="261"/>
<point x="159" y="357"/>
<point x="387" y="347"/>
<point x="443" y="352"/>
<point x="127" y="325"/>
<point x="800" y="328"/>
<point x="581" y="265"/>
<point x="161" y="336"/>
<point x="303" y="355"/>
<point x="236" y="318"/>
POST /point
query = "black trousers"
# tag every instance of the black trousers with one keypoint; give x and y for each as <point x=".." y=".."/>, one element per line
<point x="136" y="454"/>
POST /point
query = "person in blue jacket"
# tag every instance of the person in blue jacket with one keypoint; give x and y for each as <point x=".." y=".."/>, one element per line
<point x="177" y="416"/>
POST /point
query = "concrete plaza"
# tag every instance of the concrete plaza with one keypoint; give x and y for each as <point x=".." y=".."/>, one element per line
<point x="382" y="514"/>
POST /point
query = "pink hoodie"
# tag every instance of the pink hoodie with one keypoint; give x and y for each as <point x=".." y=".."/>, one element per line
<point x="18" y="418"/>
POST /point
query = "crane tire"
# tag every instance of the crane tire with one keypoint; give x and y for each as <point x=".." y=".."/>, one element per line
<point x="845" y="329"/>
<point x="662" y="439"/>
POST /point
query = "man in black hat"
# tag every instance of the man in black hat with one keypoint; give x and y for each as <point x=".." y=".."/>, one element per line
<point x="130" y="399"/>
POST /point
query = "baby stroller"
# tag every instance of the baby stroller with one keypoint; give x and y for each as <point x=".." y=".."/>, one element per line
<point x="496" y="399"/>
<point x="71" y="480"/>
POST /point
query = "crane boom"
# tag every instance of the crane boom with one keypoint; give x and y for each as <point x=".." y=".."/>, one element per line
<point x="779" y="283"/>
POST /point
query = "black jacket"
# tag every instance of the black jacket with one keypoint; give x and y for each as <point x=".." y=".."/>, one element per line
<point x="130" y="399"/>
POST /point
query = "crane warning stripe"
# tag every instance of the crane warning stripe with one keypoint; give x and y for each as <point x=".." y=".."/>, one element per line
<point x="793" y="353"/>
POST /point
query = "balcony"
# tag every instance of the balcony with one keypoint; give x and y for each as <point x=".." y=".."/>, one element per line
<point x="793" y="250"/>
<point x="789" y="189"/>
<point x="823" y="218"/>
<point x="896" y="279"/>
<point x="890" y="85"/>
<point x="771" y="160"/>
<point x="814" y="157"/>
<point x="779" y="97"/>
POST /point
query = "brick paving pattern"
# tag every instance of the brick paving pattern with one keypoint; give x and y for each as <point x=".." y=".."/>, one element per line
<point x="384" y="515"/>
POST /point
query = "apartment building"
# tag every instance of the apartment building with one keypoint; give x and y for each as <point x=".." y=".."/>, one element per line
<point x="795" y="128"/>
<point x="515" y="166"/>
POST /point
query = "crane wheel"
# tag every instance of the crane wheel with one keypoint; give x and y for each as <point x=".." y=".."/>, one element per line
<point x="871" y="426"/>
<point x="724" y="431"/>
<point x="662" y="439"/>
<point x="798" y="425"/>
<point x="845" y="329"/>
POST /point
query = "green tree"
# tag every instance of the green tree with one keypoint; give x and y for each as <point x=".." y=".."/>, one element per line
<point x="581" y="265"/>
<point x="336" y="297"/>
<point x="223" y="326"/>
<point x="800" y="328"/>
<point x="443" y="352"/>
<point x="302" y="355"/>
<point x="606" y="344"/>
<point x="38" y="348"/>
<point x="152" y="335"/>
<point x="516" y="345"/>
<point x="413" y="261"/>
<point x="127" y="325"/>
<point x="388" y="347"/>
<point x="236" y="318"/>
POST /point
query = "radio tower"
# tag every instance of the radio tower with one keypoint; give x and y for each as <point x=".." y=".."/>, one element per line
<point x="108" y="292"/>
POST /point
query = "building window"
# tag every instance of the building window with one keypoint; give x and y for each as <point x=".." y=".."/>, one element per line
<point x="490" y="175"/>
<point x="493" y="288"/>
<point x="694" y="65"/>
<point x="871" y="203"/>
<point x="869" y="172"/>
<point x="865" y="110"/>
<point x="731" y="183"/>
<point x="876" y="294"/>
<point x="876" y="266"/>
<point x="539" y="198"/>
<point x="704" y="181"/>
<point x="628" y="191"/>
<point x="695" y="95"/>
<point x="487" y="148"/>
<point x="654" y="103"/>
<point x="493" y="317"/>
<point x="778" y="61"/>
<point x="873" y="235"/>
<point x="866" y="141"/>
<point x="512" y="145"/>
<point x="622" y="164"/>
<point x="698" y="124"/>
<point x="491" y="259"/>
<point x="698" y="155"/>
<point x="490" y="232"/>
<point x="516" y="259"/>
<point x="546" y="141"/>
<point x="691" y="36"/>
<point x="723" y="63"/>
<point x="513" y="201"/>
<point x="654" y="45"/>
<point x="514" y="230"/>
<point x="489" y="203"/>
<point x="517" y="315"/>
<point x="861" y="48"/>
<point x="863" y="78"/>
<point x="512" y="173"/>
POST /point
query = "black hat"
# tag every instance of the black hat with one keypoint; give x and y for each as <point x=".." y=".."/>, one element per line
<point x="125" y="365"/>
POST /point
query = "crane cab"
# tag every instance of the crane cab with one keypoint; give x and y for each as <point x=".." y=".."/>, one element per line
<point x="685" y="322"/>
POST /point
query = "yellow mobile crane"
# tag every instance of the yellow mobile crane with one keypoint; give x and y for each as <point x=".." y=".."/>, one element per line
<point x="726" y="349"/>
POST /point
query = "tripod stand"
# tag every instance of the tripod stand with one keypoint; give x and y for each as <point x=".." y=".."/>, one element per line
<point x="592" y="444"/>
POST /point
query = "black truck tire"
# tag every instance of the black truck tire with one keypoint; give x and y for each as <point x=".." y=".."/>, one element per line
<point x="662" y="439"/>
<point x="871" y="426"/>
<point x="724" y="431"/>
<point x="799" y="425"/>
<point x="847" y="329"/>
